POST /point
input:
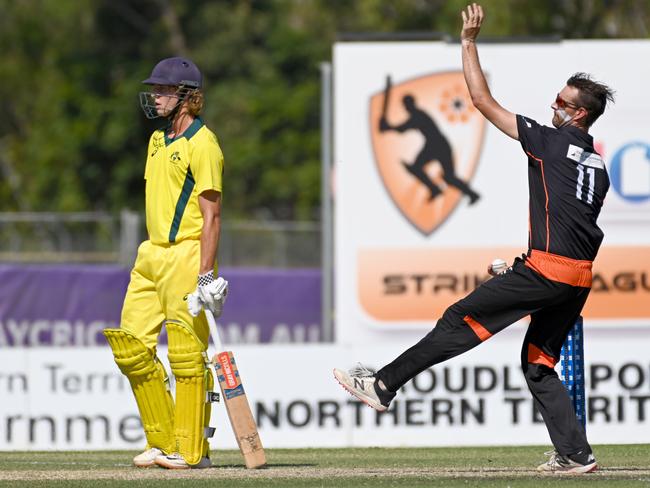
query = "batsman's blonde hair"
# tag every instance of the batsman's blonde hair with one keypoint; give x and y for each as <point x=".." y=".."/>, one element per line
<point x="195" y="102"/>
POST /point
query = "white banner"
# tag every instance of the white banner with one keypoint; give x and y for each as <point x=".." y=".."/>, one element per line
<point x="78" y="399"/>
<point x="405" y="252"/>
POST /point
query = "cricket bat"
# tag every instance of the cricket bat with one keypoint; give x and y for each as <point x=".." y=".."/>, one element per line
<point x="234" y="396"/>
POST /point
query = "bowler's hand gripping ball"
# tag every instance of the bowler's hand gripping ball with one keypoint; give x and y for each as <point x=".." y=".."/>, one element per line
<point x="497" y="267"/>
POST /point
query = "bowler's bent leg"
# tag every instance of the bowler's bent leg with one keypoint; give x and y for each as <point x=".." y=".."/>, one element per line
<point x="490" y="308"/>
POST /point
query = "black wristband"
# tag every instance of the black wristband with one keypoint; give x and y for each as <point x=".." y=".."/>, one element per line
<point x="206" y="279"/>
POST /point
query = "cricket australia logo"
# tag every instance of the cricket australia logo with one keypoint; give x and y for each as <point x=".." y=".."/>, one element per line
<point x="427" y="137"/>
<point x="175" y="157"/>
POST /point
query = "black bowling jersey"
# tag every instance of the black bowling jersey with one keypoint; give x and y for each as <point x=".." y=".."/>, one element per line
<point x="567" y="183"/>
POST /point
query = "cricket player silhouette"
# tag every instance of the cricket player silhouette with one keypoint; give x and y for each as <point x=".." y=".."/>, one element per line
<point x="436" y="147"/>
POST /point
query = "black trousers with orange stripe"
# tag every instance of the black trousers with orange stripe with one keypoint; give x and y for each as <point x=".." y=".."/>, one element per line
<point x="499" y="302"/>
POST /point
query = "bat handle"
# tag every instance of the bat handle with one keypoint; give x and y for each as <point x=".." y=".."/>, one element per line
<point x="212" y="324"/>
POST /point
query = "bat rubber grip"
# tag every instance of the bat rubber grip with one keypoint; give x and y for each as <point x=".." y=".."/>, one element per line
<point x="212" y="324"/>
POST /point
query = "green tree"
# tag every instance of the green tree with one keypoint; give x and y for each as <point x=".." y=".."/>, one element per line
<point x="72" y="136"/>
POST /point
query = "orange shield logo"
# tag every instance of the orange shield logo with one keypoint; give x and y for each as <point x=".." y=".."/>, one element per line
<point x="427" y="136"/>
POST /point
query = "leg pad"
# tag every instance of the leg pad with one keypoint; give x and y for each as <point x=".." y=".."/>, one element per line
<point x="149" y="383"/>
<point x="188" y="361"/>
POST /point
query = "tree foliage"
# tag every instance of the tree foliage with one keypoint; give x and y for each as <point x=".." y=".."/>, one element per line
<point x="72" y="136"/>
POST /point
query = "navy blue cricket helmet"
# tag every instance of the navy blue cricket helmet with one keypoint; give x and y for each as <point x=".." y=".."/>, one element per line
<point x="175" y="72"/>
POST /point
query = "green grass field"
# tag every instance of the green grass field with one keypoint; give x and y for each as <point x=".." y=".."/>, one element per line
<point x="621" y="466"/>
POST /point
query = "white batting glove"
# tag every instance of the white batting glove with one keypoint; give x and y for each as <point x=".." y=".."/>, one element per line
<point x="212" y="292"/>
<point x="194" y="305"/>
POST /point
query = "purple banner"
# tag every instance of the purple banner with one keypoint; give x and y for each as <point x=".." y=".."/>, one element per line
<point x="70" y="305"/>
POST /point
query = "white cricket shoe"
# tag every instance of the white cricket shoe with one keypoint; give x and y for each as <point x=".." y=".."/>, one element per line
<point x="147" y="458"/>
<point x="176" y="461"/>
<point x="563" y="464"/>
<point x="361" y="382"/>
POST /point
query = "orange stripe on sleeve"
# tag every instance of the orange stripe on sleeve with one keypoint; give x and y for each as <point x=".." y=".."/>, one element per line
<point x="537" y="356"/>
<point x="481" y="332"/>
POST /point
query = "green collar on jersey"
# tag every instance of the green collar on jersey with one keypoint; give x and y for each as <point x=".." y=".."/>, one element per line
<point x="189" y="132"/>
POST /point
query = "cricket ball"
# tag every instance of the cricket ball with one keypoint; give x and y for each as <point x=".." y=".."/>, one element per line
<point x="498" y="266"/>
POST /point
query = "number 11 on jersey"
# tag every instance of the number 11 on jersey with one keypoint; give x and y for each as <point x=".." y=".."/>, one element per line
<point x="591" y="177"/>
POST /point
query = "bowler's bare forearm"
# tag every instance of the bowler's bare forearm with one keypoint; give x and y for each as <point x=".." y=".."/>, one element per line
<point x="479" y="91"/>
<point x="474" y="77"/>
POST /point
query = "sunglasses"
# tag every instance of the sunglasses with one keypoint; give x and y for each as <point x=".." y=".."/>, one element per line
<point x="562" y="103"/>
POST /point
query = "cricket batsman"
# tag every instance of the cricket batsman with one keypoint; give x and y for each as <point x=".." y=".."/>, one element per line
<point x="175" y="273"/>
<point x="567" y="181"/>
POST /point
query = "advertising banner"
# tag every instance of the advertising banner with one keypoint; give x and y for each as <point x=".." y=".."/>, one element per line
<point x="70" y="305"/>
<point x="76" y="398"/>
<point x="428" y="193"/>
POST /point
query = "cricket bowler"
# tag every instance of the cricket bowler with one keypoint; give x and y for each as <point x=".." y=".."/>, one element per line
<point x="567" y="181"/>
<point x="183" y="185"/>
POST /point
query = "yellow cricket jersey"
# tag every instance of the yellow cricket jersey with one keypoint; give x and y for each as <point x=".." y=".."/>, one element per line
<point x="177" y="172"/>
